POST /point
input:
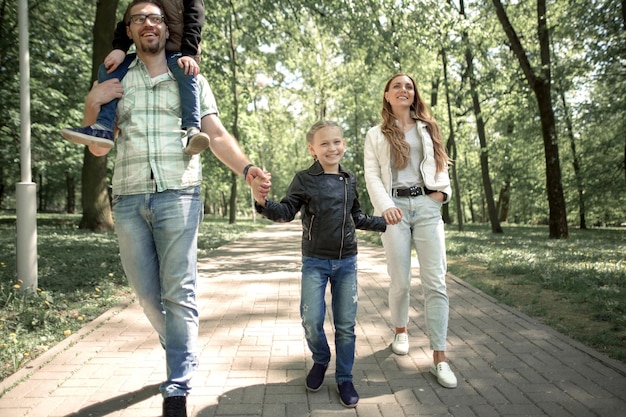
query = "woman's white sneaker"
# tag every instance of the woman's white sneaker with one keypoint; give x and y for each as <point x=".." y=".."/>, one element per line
<point x="400" y="344"/>
<point x="444" y="374"/>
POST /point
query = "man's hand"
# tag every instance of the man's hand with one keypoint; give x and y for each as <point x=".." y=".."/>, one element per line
<point x="189" y="64"/>
<point x="261" y="188"/>
<point x="255" y="172"/>
<point x="114" y="59"/>
<point x="102" y="93"/>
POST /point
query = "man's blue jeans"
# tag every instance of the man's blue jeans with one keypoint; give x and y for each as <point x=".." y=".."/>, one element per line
<point x="187" y="86"/>
<point x="158" y="235"/>
<point x="342" y="274"/>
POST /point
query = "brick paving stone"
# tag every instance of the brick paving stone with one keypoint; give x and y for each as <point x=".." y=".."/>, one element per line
<point x="253" y="357"/>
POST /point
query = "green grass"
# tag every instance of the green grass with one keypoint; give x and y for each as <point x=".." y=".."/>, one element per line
<point x="79" y="278"/>
<point x="575" y="285"/>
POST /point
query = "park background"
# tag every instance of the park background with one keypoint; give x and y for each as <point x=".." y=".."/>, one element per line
<point x="530" y="95"/>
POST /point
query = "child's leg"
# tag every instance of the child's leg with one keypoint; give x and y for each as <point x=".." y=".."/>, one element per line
<point x="189" y="105"/>
<point x="315" y="274"/>
<point x="189" y="93"/>
<point x="106" y="117"/>
<point x="101" y="133"/>
<point x="343" y="283"/>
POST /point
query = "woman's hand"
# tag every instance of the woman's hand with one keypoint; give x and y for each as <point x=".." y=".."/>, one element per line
<point x="437" y="196"/>
<point x="392" y="215"/>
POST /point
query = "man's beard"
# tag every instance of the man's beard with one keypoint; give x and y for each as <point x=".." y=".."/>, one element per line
<point x="152" y="48"/>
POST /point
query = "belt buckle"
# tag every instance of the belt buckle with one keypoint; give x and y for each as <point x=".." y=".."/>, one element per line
<point x="414" y="191"/>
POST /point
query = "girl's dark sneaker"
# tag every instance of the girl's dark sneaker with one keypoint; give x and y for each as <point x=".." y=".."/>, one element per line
<point x="347" y="394"/>
<point x="175" y="406"/>
<point x="315" y="378"/>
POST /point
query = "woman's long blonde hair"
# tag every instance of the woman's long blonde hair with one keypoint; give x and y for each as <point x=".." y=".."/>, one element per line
<point x="394" y="134"/>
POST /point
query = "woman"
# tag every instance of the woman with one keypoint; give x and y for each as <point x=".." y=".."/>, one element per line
<point x="406" y="173"/>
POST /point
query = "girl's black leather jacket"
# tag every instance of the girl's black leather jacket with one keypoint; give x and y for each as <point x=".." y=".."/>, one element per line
<point x="330" y="212"/>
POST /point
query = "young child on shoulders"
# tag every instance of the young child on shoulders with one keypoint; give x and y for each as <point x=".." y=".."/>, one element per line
<point x="184" y="20"/>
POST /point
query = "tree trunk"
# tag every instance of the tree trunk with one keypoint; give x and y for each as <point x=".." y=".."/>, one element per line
<point x="504" y="201"/>
<point x="40" y="190"/>
<point x="2" y="187"/>
<point x="451" y="146"/>
<point x="70" y="184"/>
<point x="96" y="203"/>
<point x="624" y="30"/>
<point x="540" y="84"/>
<point x="492" y="212"/>
<point x="232" y="218"/>
<point x="575" y="161"/>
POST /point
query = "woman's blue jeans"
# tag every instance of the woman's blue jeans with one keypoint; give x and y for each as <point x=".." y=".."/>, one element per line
<point x="342" y="275"/>
<point x="187" y="87"/>
<point x="158" y="236"/>
<point x="422" y="228"/>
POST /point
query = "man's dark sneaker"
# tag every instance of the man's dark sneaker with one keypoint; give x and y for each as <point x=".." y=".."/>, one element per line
<point x="175" y="406"/>
<point x="315" y="378"/>
<point x="89" y="136"/>
<point x="196" y="141"/>
<point x="347" y="394"/>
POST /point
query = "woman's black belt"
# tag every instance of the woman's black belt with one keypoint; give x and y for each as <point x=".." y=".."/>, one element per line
<point x="411" y="191"/>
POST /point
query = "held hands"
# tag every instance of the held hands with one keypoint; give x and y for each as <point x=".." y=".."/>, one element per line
<point x="114" y="59"/>
<point x="189" y="64"/>
<point x="392" y="215"/>
<point x="261" y="188"/>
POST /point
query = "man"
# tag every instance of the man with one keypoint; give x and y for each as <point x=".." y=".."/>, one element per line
<point x="156" y="193"/>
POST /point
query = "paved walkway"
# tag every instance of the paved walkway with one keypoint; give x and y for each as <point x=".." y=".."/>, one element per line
<point x="254" y="359"/>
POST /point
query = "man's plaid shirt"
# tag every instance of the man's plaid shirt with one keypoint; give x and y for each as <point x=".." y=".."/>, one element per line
<point x="150" y="155"/>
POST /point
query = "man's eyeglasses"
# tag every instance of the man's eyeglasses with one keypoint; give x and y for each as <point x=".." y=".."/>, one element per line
<point x="139" y="19"/>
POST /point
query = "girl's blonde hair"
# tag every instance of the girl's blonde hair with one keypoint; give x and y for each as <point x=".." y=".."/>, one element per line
<point x="394" y="134"/>
<point x="319" y="125"/>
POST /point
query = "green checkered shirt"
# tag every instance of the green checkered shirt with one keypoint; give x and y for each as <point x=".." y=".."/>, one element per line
<point x="149" y="148"/>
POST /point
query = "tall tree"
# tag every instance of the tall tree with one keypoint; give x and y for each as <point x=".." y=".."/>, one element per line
<point x="492" y="211"/>
<point x="451" y="144"/>
<point x="96" y="203"/>
<point x="539" y="81"/>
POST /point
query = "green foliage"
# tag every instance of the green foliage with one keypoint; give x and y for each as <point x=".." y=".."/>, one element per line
<point x="276" y="67"/>
<point x="60" y="68"/>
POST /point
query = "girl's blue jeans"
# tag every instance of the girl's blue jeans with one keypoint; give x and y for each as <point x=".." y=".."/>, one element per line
<point x="158" y="236"/>
<point x="342" y="275"/>
<point x="187" y="86"/>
